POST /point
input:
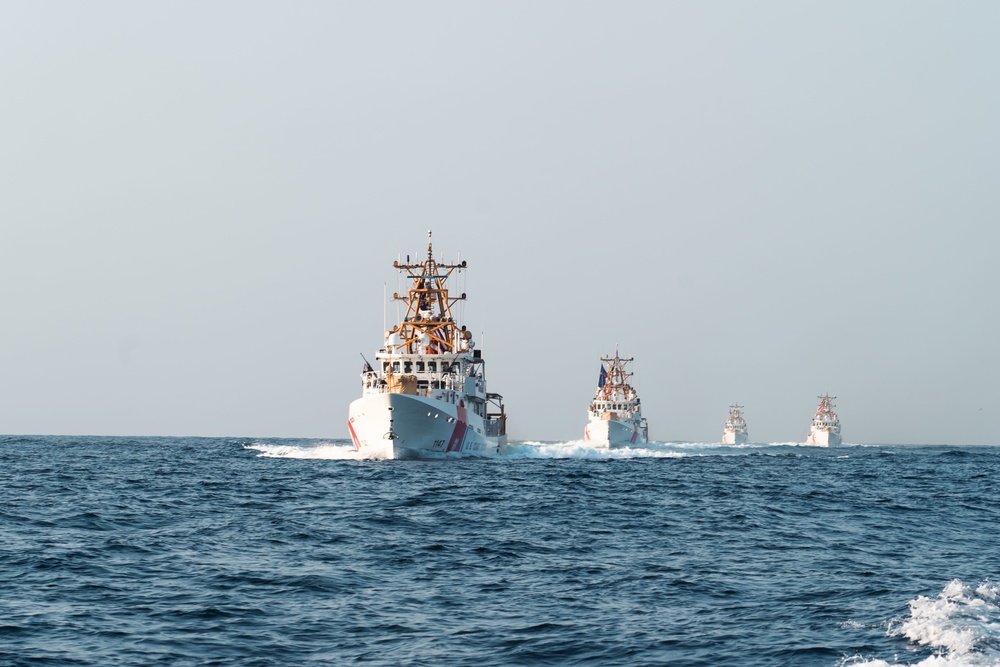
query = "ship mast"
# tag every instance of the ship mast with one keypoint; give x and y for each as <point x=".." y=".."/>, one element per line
<point x="428" y="326"/>
<point x="826" y="406"/>
<point x="735" y="420"/>
<point x="616" y="386"/>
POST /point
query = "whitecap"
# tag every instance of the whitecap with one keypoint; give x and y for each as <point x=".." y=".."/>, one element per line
<point x="321" y="450"/>
<point x="961" y="625"/>
<point x="581" y="449"/>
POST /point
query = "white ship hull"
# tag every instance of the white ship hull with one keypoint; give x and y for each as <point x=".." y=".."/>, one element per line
<point x="823" y="439"/>
<point x="404" y="426"/>
<point x="734" y="437"/>
<point x="611" y="433"/>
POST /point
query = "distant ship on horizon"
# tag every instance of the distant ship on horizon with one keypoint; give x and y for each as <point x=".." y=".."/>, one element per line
<point x="825" y="428"/>
<point x="735" y="430"/>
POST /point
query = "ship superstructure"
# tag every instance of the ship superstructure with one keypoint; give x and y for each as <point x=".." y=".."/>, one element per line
<point x="825" y="428"/>
<point x="426" y="394"/>
<point x="615" y="415"/>
<point x="735" y="430"/>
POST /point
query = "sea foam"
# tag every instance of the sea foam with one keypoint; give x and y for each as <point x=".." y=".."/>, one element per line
<point x="581" y="449"/>
<point x="527" y="449"/>
<point x="322" y="450"/>
<point x="961" y="625"/>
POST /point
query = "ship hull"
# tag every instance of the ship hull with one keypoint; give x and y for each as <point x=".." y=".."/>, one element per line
<point x="734" y="438"/>
<point x="612" y="433"/>
<point x="824" y="439"/>
<point x="404" y="426"/>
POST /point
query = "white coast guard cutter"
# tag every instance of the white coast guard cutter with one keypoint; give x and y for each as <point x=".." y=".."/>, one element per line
<point x="825" y="428"/>
<point x="426" y="395"/>
<point x="615" y="414"/>
<point x="735" y="430"/>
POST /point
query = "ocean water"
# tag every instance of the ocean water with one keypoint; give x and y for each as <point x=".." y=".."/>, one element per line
<point x="236" y="551"/>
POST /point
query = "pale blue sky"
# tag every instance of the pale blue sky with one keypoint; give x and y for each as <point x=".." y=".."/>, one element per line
<point x="760" y="202"/>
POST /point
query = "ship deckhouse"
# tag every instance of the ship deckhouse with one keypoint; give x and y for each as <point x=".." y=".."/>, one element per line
<point x="826" y="419"/>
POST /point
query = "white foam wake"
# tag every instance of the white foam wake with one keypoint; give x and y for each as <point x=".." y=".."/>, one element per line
<point x="573" y="449"/>
<point x="322" y="450"/>
<point x="961" y="625"/>
<point x="532" y="449"/>
<point x="528" y="449"/>
<point x="581" y="449"/>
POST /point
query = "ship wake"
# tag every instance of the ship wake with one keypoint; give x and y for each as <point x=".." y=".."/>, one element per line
<point x="527" y="449"/>
<point x="321" y="450"/>
<point x="581" y="449"/>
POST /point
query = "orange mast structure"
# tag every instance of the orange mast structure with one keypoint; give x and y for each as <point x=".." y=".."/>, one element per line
<point x="428" y="326"/>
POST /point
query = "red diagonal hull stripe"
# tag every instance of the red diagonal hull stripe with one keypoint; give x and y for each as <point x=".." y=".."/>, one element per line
<point x="458" y="435"/>
<point x="354" y="436"/>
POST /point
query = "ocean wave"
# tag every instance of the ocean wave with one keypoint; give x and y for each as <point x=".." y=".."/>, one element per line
<point x="961" y="626"/>
<point x="236" y="552"/>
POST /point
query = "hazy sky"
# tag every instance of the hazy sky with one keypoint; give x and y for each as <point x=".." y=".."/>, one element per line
<point x="759" y="201"/>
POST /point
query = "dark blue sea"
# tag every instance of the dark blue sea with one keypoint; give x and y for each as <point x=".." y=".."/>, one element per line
<point x="267" y="552"/>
